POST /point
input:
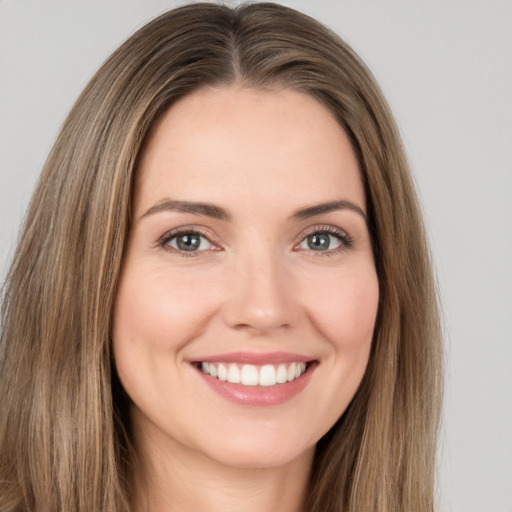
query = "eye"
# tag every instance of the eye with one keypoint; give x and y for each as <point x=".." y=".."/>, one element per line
<point x="325" y="240"/>
<point x="188" y="241"/>
<point x="320" y="242"/>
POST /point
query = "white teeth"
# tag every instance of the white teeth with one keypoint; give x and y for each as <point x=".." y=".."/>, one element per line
<point x="267" y="376"/>
<point x="291" y="372"/>
<point x="251" y="375"/>
<point x="281" y="374"/>
<point x="233" y="374"/>
<point x="222" y="372"/>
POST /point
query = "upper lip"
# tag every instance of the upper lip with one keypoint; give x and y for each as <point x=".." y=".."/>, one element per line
<point x="255" y="358"/>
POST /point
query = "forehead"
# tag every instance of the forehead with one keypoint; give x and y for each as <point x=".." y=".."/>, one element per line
<point x="250" y="143"/>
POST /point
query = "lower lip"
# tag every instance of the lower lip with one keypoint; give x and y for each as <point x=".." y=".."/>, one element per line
<point x="258" y="396"/>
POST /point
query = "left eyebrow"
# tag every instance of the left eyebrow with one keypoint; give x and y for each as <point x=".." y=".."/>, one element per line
<point x="332" y="206"/>
<point x="195" y="208"/>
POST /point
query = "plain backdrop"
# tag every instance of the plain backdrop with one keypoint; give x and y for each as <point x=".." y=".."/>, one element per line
<point x="446" y="69"/>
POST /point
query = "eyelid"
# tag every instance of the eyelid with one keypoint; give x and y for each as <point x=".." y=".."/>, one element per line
<point x="345" y="239"/>
<point x="163" y="241"/>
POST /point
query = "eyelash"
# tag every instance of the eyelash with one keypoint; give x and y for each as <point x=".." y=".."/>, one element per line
<point x="164" y="241"/>
<point x="346" y="241"/>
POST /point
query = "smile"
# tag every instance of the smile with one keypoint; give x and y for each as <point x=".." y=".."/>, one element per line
<point x="253" y="375"/>
<point x="256" y="379"/>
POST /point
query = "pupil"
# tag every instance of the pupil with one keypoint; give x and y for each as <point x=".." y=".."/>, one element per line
<point x="318" y="242"/>
<point x="188" y="242"/>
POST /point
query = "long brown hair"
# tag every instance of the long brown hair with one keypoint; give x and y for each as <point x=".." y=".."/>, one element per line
<point x="64" y="439"/>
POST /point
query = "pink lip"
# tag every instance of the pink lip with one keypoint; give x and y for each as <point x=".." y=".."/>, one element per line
<point x="257" y="396"/>
<point x="255" y="358"/>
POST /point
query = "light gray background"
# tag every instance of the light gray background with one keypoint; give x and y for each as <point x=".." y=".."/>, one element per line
<point x="445" y="67"/>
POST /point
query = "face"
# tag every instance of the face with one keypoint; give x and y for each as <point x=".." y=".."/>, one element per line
<point x="247" y="302"/>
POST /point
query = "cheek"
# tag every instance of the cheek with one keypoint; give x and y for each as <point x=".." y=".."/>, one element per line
<point x="344" y="308"/>
<point x="155" y="315"/>
<point x="160" y="313"/>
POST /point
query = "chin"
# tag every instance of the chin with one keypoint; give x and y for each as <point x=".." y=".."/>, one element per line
<point x="267" y="446"/>
<point x="255" y="455"/>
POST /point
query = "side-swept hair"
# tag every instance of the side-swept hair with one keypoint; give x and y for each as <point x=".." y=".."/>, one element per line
<point x="64" y="438"/>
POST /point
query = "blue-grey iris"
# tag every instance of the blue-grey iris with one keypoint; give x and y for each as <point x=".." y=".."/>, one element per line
<point x="318" y="241"/>
<point x="188" y="242"/>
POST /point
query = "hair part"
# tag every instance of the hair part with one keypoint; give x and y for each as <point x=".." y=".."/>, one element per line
<point x="64" y="436"/>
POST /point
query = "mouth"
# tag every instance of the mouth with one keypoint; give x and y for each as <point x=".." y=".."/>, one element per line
<point x="266" y="375"/>
<point x="256" y="379"/>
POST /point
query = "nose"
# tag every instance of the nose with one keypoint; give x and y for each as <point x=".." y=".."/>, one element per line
<point x="260" y="295"/>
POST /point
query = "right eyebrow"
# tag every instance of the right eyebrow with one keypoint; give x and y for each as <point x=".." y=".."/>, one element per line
<point x="331" y="206"/>
<point x="196" y="208"/>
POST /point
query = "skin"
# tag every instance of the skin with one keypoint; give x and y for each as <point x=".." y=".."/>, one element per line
<point x="255" y="285"/>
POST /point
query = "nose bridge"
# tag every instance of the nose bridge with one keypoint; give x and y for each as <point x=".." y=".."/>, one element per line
<point x="259" y="291"/>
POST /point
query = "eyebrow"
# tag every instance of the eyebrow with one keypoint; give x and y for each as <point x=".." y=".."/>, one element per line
<point x="210" y="210"/>
<point x="318" y="209"/>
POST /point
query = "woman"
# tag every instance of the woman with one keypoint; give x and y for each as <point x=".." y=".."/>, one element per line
<point x="222" y="294"/>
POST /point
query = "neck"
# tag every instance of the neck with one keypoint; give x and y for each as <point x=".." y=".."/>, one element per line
<point x="177" y="478"/>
